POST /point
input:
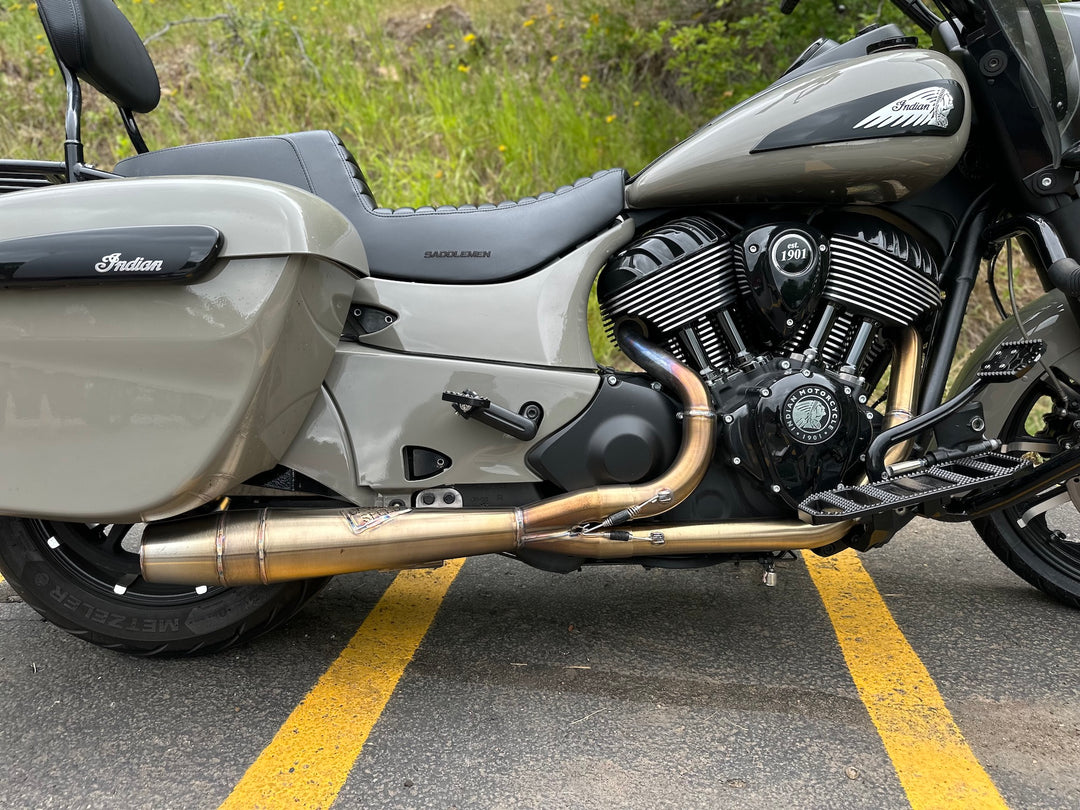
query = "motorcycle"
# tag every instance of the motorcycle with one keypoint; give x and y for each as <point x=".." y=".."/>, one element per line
<point x="227" y="374"/>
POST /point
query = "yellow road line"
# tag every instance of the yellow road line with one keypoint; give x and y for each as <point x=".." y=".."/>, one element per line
<point x="936" y="767"/>
<point x="307" y="762"/>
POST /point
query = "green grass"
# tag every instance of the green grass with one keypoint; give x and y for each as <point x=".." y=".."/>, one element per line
<point x="490" y="106"/>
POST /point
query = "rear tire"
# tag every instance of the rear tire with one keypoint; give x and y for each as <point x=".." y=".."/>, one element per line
<point x="85" y="579"/>
<point x="1046" y="551"/>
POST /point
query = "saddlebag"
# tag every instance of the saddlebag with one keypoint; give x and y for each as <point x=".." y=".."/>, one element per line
<point x="141" y="386"/>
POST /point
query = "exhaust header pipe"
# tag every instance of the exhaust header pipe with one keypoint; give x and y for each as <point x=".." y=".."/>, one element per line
<point x="251" y="548"/>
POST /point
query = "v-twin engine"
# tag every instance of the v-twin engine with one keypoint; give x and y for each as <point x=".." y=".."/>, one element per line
<point x="787" y="323"/>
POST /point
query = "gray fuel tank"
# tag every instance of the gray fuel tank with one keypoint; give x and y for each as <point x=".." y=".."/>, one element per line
<point x="871" y="129"/>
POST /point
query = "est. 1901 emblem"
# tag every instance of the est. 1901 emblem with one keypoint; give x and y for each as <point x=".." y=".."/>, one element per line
<point x="811" y="414"/>
<point x="929" y="106"/>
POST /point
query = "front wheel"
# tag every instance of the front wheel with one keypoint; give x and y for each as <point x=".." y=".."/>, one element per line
<point x="1039" y="539"/>
<point x="85" y="579"/>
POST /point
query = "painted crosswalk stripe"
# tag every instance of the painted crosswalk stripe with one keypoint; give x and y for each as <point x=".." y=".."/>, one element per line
<point x="936" y="767"/>
<point x="307" y="762"/>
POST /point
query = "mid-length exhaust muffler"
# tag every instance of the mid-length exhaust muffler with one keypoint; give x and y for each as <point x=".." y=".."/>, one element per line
<point x="275" y="545"/>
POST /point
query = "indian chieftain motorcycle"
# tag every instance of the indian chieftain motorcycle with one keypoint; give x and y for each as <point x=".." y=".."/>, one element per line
<point x="226" y="374"/>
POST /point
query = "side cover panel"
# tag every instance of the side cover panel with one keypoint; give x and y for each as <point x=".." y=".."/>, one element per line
<point x="541" y="319"/>
<point x="392" y="400"/>
<point x="130" y="402"/>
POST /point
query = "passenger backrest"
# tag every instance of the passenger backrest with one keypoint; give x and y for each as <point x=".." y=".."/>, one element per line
<point x="94" y="41"/>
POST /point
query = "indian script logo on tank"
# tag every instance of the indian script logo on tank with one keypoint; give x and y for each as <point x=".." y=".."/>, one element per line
<point x="929" y="107"/>
<point x="115" y="263"/>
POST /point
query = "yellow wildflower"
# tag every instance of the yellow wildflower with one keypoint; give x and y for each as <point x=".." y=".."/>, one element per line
<point x="637" y="103"/>
<point x="41" y="49"/>
<point x="463" y="68"/>
<point x="611" y="118"/>
<point x="281" y="5"/>
<point x="594" y="19"/>
<point x="439" y="174"/>
<point x="585" y="81"/>
<point x="528" y="22"/>
<point x="502" y="147"/>
<point x="469" y="38"/>
<point x="554" y="57"/>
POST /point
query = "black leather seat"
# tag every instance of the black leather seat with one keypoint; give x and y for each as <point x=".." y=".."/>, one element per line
<point x="449" y="245"/>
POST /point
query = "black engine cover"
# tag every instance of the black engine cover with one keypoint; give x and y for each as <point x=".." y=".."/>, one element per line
<point x="797" y="429"/>
<point x="628" y="433"/>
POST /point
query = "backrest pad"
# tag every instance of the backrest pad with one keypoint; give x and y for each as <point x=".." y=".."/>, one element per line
<point x="95" y="41"/>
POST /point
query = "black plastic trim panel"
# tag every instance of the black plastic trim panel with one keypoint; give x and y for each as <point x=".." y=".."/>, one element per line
<point x="169" y="253"/>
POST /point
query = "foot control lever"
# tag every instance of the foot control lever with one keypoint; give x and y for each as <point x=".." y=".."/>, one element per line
<point x="522" y="425"/>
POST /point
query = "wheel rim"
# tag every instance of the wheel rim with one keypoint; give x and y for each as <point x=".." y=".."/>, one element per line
<point x="102" y="558"/>
<point x="1053" y="535"/>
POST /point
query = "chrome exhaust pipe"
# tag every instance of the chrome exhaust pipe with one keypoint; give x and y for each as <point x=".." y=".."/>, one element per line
<point x="275" y="545"/>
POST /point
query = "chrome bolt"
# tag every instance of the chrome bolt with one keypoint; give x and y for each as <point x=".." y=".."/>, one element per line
<point x="736" y="461"/>
<point x="753" y="249"/>
<point x="978" y="424"/>
<point x="728" y="419"/>
<point x="612" y="380"/>
<point x="776" y="488"/>
<point x="765" y="393"/>
<point x="869" y="414"/>
<point x="847" y="391"/>
<point x="790" y="322"/>
<point x="1046" y="181"/>
<point x="862" y="399"/>
<point x="655" y="386"/>
<point x="784" y="364"/>
<point x="806" y="372"/>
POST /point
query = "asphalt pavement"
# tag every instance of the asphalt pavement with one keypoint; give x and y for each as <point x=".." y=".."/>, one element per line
<point x="613" y="687"/>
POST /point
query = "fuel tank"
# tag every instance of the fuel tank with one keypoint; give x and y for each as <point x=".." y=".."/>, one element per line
<point x="872" y="129"/>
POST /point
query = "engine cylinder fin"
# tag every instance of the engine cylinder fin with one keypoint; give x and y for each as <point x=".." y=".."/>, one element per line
<point x="739" y="262"/>
<point x="714" y="344"/>
<point x="679" y="294"/>
<point x="870" y="282"/>
<point x="838" y="339"/>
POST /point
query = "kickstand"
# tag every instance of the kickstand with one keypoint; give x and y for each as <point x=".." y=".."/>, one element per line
<point x="769" y="575"/>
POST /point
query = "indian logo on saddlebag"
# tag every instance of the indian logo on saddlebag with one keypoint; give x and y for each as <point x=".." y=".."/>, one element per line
<point x="928" y="107"/>
<point x="114" y="263"/>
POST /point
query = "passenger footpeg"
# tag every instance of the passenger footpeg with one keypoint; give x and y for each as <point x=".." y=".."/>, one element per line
<point x="522" y="425"/>
<point x="925" y="487"/>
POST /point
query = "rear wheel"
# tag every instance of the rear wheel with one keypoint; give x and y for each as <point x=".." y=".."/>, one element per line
<point x="85" y="578"/>
<point x="1039" y="539"/>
